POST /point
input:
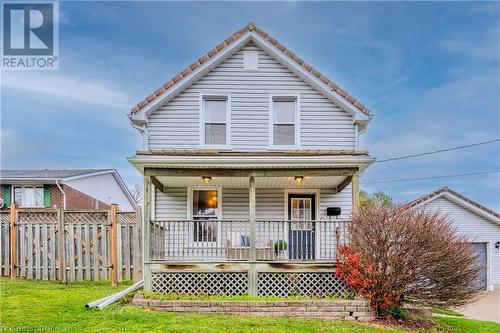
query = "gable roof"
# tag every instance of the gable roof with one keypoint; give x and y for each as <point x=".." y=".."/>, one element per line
<point x="458" y="199"/>
<point x="251" y="27"/>
<point x="48" y="174"/>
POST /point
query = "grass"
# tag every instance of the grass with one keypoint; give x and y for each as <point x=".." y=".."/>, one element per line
<point x="55" y="307"/>
<point x="447" y="312"/>
<point x="171" y="297"/>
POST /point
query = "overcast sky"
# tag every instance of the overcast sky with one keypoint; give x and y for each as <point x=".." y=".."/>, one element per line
<point x="430" y="73"/>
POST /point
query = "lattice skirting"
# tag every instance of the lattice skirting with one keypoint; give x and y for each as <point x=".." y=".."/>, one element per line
<point x="225" y="284"/>
<point x="236" y="283"/>
<point x="300" y="284"/>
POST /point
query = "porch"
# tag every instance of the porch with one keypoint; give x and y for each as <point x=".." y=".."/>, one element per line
<point x="230" y="227"/>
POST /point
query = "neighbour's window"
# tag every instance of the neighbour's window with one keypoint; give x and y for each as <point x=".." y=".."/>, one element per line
<point x="284" y="122"/>
<point x="205" y="214"/>
<point x="215" y="121"/>
<point x="28" y="196"/>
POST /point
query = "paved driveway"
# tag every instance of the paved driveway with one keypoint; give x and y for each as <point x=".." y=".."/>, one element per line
<point x="486" y="308"/>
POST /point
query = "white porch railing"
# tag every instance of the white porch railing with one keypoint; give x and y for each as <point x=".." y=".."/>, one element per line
<point x="230" y="240"/>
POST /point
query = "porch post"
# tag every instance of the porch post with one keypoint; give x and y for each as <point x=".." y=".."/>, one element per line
<point x="355" y="192"/>
<point x="252" y="274"/>
<point x="146" y="273"/>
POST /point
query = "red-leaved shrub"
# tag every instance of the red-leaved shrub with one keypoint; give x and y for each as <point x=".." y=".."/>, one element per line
<point x="398" y="256"/>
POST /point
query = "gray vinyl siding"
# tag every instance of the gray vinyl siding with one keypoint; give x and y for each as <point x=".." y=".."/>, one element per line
<point x="323" y="124"/>
<point x="270" y="203"/>
<point x="172" y="204"/>
<point x="475" y="228"/>
<point x="331" y="199"/>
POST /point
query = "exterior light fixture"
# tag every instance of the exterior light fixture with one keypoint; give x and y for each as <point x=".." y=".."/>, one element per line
<point x="299" y="179"/>
<point x="206" y="179"/>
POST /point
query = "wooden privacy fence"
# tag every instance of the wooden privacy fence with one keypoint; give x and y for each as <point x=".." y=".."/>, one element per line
<point x="70" y="245"/>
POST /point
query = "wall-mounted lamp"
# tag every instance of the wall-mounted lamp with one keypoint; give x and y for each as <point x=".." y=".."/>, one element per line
<point x="206" y="179"/>
<point x="299" y="179"/>
<point x="497" y="245"/>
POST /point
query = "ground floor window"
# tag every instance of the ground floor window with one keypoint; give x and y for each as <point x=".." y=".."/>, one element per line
<point x="28" y="196"/>
<point x="205" y="212"/>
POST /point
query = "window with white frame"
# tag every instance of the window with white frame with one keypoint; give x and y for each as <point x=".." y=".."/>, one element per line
<point x="284" y="121"/>
<point x="215" y="122"/>
<point x="28" y="196"/>
<point x="205" y="215"/>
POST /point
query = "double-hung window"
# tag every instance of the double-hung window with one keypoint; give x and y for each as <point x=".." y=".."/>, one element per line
<point x="284" y="121"/>
<point x="205" y="215"/>
<point x="215" y="120"/>
<point x="28" y="196"/>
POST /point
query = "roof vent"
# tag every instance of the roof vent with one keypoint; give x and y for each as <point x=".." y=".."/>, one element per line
<point x="251" y="60"/>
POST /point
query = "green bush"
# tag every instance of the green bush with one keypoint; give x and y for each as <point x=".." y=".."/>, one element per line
<point x="398" y="312"/>
<point x="280" y="245"/>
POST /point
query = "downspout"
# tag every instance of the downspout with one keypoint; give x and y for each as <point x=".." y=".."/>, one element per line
<point x="63" y="194"/>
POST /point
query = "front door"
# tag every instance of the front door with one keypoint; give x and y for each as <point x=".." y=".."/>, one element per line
<point x="301" y="226"/>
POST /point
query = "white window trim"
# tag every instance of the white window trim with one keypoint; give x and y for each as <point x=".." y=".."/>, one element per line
<point x="190" y="213"/>
<point x="13" y="198"/>
<point x="227" y="97"/>
<point x="297" y="144"/>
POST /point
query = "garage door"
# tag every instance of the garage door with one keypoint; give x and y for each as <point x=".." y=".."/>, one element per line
<point x="482" y="278"/>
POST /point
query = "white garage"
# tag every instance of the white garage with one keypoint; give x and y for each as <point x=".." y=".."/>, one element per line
<point x="478" y="223"/>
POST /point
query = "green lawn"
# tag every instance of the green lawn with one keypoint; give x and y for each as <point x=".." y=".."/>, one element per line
<point x="54" y="307"/>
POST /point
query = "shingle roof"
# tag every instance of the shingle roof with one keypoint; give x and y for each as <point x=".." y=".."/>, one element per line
<point x="431" y="195"/>
<point x="221" y="46"/>
<point x="47" y="174"/>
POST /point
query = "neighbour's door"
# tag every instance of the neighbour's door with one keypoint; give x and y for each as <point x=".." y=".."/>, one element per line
<point x="301" y="226"/>
<point x="480" y="249"/>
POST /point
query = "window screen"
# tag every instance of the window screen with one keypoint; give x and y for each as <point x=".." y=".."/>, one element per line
<point x="284" y="122"/>
<point x="215" y="121"/>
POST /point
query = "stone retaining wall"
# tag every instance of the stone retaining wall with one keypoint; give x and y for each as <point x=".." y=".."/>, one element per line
<point x="325" y="309"/>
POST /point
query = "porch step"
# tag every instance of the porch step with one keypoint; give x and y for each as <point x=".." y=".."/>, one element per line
<point x="325" y="309"/>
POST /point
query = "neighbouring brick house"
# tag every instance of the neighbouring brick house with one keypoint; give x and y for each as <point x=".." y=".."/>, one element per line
<point x="68" y="189"/>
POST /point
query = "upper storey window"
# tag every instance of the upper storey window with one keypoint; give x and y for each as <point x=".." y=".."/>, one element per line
<point x="284" y="118"/>
<point x="215" y="120"/>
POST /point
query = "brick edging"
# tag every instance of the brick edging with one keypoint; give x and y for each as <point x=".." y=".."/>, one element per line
<point x="327" y="309"/>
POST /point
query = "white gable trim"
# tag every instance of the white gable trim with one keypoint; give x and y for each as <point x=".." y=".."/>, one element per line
<point x="459" y="201"/>
<point x="210" y="64"/>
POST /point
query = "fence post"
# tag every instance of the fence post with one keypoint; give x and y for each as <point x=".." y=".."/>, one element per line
<point x="252" y="273"/>
<point x="114" y="243"/>
<point x="13" y="241"/>
<point x="61" y="244"/>
<point x="137" y="245"/>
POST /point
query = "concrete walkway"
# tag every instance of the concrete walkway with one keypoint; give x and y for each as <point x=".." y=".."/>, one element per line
<point x="486" y="308"/>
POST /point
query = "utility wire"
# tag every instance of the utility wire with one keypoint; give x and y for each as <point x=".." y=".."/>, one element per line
<point x="434" y="177"/>
<point x="437" y="151"/>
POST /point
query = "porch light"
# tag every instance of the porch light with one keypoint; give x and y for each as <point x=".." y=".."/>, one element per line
<point x="206" y="179"/>
<point x="299" y="179"/>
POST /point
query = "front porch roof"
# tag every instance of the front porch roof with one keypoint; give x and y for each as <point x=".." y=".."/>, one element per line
<point x="281" y="163"/>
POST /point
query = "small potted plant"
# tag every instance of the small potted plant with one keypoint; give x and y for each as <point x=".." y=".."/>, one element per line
<point x="280" y="247"/>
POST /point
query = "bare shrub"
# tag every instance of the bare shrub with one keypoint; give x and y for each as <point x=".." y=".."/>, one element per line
<point x="409" y="256"/>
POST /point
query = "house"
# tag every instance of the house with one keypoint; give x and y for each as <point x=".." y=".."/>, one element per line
<point x="66" y="189"/>
<point x="251" y="167"/>
<point x="479" y="224"/>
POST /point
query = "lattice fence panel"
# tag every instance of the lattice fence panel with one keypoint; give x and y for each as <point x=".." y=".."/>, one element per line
<point x="127" y="217"/>
<point x="223" y="284"/>
<point x="4" y="217"/>
<point x="300" y="284"/>
<point x="37" y="217"/>
<point x="86" y="217"/>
